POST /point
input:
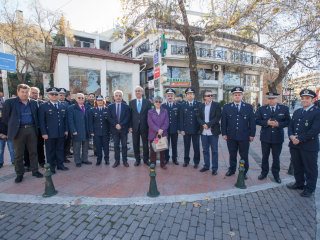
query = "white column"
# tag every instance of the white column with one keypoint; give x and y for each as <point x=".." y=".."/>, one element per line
<point x="220" y="89"/>
<point x="261" y="89"/>
<point x="103" y="77"/>
<point x="61" y="73"/>
<point x="97" y="42"/>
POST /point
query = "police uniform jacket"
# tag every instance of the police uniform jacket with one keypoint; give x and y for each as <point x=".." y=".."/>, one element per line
<point x="53" y="122"/>
<point x="174" y="117"/>
<point x="236" y="125"/>
<point x="98" y="121"/>
<point x="281" y="115"/>
<point x="307" y="127"/>
<point x="188" y="117"/>
<point x="78" y="122"/>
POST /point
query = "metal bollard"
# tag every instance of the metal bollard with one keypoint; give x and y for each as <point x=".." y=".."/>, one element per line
<point x="153" y="189"/>
<point x="49" y="187"/>
<point x="240" y="181"/>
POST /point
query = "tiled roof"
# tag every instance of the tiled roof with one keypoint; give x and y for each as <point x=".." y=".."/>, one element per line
<point x="89" y="52"/>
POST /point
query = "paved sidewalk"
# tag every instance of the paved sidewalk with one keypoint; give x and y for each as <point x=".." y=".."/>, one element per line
<point x="276" y="213"/>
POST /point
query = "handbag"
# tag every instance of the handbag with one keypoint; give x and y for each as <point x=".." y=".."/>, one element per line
<point x="160" y="143"/>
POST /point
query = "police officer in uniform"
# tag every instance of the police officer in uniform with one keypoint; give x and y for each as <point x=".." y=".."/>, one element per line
<point x="303" y="132"/>
<point x="272" y="118"/>
<point x="190" y="128"/>
<point x="67" y="142"/>
<point x="54" y="129"/>
<point x="238" y="128"/>
<point x="174" y="113"/>
<point x="99" y="129"/>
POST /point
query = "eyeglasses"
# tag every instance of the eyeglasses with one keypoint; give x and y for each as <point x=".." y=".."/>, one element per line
<point x="158" y="101"/>
<point x="210" y="95"/>
<point x="54" y="94"/>
<point x="80" y="98"/>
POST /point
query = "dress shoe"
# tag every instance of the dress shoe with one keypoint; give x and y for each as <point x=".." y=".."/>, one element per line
<point x="306" y="193"/>
<point x="136" y="163"/>
<point x="175" y="162"/>
<point x="214" y="172"/>
<point x="294" y="186"/>
<point x="87" y="163"/>
<point x="262" y="176"/>
<point x="185" y="164"/>
<point x="107" y="162"/>
<point x="78" y="165"/>
<point x="67" y="161"/>
<point x="63" y="168"/>
<point x="98" y="163"/>
<point x="116" y="164"/>
<point x="229" y="173"/>
<point x="277" y="179"/>
<point x="126" y="164"/>
<point x="163" y="166"/>
<point x="195" y="166"/>
<point x="18" y="179"/>
<point x="204" y="169"/>
<point x="37" y="174"/>
<point x="146" y="163"/>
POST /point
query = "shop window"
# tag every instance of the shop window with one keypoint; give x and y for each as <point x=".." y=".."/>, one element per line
<point x="119" y="80"/>
<point x="84" y="80"/>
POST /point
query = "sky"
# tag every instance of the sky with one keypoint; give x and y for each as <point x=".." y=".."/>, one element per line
<point x="83" y="15"/>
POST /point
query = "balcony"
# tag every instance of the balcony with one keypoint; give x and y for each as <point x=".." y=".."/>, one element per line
<point x="84" y="44"/>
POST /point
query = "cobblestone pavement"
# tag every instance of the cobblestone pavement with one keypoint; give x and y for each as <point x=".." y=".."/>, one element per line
<point x="277" y="213"/>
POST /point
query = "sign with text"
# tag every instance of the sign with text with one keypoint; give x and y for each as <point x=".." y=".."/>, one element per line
<point x="156" y="73"/>
<point x="7" y="62"/>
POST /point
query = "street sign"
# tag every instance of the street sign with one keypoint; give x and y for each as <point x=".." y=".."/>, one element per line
<point x="7" y="62"/>
<point x="156" y="73"/>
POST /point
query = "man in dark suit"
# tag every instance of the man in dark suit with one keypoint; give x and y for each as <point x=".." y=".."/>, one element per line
<point x="139" y="108"/>
<point x="79" y="127"/>
<point x="209" y="120"/>
<point x="174" y="125"/>
<point x="35" y="95"/>
<point x="54" y="129"/>
<point x="238" y="127"/>
<point x="272" y="118"/>
<point x="119" y="118"/>
<point x="190" y="127"/>
<point x="20" y="115"/>
<point x="303" y="132"/>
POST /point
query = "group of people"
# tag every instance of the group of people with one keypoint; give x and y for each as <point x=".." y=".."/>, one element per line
<point x="27" y="122"/>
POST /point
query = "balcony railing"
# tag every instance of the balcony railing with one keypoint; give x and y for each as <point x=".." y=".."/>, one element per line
<point x="84" y="44"/>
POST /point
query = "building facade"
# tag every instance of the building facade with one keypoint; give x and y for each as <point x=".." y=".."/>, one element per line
<point x="310" y="80"/>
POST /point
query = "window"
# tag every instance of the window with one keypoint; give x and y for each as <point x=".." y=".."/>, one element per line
<point x="179" y="73"/>
<point x="119" y="80"/>
<point x="231" y="79"/>
<point x="84" y="80"/>
<point x="208" y="74"/>
<point x="142" y="48"/>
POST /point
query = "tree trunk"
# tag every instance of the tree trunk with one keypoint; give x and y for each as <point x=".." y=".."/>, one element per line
<point x="193" y="68"/>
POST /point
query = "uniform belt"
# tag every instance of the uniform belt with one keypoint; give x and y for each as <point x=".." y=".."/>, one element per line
<point x="27" y="126"/>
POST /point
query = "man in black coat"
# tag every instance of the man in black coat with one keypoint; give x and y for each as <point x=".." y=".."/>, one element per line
<point x="139" y="108"/>
<point x="20" y="115"/>
<point x="209" y="118"/>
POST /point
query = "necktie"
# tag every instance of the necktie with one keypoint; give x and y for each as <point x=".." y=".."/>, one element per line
<point x="170" y="105"/>
<point x="139" y="106"/>
<point x="118" y="112"/>
<point x="56" y="106"/>
<point x="82" y="108"/>
<point x="238" y="109"/>
<point x="190" y="104"/>
<point x="272" y="109"/>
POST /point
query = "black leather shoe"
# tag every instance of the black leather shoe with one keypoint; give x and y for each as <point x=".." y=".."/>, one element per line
<point x="294" y="186"/>
<point x="196" y="166"/>
<point x="214" y="172"/>
<point x="87" y="163"/>
<point x="175" y="162"/>
<point x="146" y="163"/>
<point x="63" y="168"/>
<point x="262" y="176"/>
<point x="78" y="165"/>
<point x="107" y="162"/>
<point x="229" y="173"/>
<point x="277" y="180"/>
<point x="204" y="169"/>
<point x="98" y="163"/>
<point x="126" y="164"/>
<point x="116" y="164"/>
<point x="136" y="163"/>
<point x="18" y="179"/>
<point x="185" y="164"/>
<point x="37" y="174"/>
<point x="306" y="193"/>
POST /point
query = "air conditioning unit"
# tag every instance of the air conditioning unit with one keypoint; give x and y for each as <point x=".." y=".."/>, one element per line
<point x="216" y="68"/>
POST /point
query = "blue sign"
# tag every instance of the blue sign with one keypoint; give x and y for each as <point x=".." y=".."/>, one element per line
<point x="7" y="62"/>
<point x="156" y="59"/>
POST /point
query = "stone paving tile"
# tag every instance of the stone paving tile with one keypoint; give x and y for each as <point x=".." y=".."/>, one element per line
<point x="276" y="213"/>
